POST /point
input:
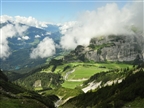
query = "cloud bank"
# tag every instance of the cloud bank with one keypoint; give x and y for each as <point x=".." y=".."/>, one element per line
<point x="103" y="21"/>
<point x="37" y="36"/>
<point x="25" y="37"/>
<point x="44" y="49"/>
<point x="6" y="32"/>
<point x="109" y="19"/>
<point x="30" y="21"/>
<point x="14" y="28"/>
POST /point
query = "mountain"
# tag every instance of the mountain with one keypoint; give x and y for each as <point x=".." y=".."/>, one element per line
<point x="14" y="96"/>
<point x="112" y="50"/>
<point x="127" y="94"/>
<point x="35" y="36"/>
<point x="40" y="80"/>
<point x="120" y="48"/>
<point x="21" y="45"/>
<point x="98" y="75"/>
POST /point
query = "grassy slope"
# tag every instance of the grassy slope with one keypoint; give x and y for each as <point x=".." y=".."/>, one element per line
<point x="137" y="103"/>
<point x="14" y="96"/>
<point x="86" y="70"/>
<point x="20" y="103"/>
<point x="129" y="92"/>
<point x="63" y="93"/>
<point x="82" y="71"/>
<point x="71" y="84"/>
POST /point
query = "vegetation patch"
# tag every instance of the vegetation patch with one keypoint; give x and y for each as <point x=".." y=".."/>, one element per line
<point x="72" y="84"/>
<point x="128" y="92"/>
<point x="63" y="93"/>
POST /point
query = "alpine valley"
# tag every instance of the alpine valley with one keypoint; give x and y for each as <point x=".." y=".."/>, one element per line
<point x="46" y="65"/>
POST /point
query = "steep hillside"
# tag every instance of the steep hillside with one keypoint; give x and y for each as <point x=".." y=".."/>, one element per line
<point x="41" y="80"/>
<point x="14" y="96"/>
<point x="109" y="48"/>
<point x="70" y="75"/>
<point x="37" y="78"/>
<point x="129" y="91"/>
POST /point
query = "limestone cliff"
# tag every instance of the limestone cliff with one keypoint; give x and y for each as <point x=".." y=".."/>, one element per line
<point x="109" y="48"/>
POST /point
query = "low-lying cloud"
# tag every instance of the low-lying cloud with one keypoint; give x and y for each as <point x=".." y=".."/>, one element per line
<point x="6" y="32"/>
<point x="14" y="28"/>
<point x="101" y="22"/>
<point x="30" y="21"/>
<point x="37" y="36"/>
<point x="109" y="19"/>
<point x="44" y="49"/>
<point x="25" y="37"/>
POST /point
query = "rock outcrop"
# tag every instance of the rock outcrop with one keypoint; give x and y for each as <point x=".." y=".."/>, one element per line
<point x="109" y="48"/>
<point x="37" y="83"/>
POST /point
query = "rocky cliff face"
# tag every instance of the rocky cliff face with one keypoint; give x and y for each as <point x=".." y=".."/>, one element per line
<point x="109" y="48"/>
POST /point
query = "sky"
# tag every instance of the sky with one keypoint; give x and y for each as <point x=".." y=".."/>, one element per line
<point x="55" y="11"/>
<point x="80" y="22"/>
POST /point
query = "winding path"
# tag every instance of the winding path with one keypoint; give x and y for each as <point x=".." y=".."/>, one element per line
<point x="66" y="76"/>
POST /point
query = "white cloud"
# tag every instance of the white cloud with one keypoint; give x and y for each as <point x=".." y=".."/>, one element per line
<point x="44" y="49"/>
<point x="30" y="21"/>
<point x="103" y="21"/>
<point x="67" y="25"/>
<point x="20" y="29"/>
<point x="16" y="29"/>
<point x="25" y="37"/>
<point x="9" y="31"/>
<point x="5" y="18"/>
<point x="48" y="33"/>
<point x="18" y="38"/>
<point x="4" y="50"/>
<point x="37" y="36"/>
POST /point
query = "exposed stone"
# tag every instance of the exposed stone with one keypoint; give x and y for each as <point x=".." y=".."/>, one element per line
<point x="110" y="48"/>
<point x="37" y="83"/>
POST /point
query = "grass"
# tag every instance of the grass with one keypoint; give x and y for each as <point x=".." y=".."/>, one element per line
<point x="71" y="84"/>
<point x="138" y="103"/>
<point x="20" y="103"/>
<point x="38" y="88"/>
<point x="48" y="70"/>
<point x="84" y="70"/>
<point x="114" y="65"/>
<point x="59" y="57"/>
<point x="36" y="41"/>
<point x="64" y="93"/>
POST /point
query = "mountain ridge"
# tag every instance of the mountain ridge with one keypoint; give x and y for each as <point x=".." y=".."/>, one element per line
<point x="119" y="48"/>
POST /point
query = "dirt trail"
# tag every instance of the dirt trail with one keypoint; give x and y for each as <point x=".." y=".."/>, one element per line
<point x="78" y="80"/>
<point x="67" y="74"/>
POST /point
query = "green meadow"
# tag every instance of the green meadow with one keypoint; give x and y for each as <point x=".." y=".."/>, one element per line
<point x="71" y="84"/>
<point x="85" y="72"/>
<point x="78" y="72"/>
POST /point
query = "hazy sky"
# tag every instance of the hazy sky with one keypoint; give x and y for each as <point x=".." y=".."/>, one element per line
<point x="56" y="11"/>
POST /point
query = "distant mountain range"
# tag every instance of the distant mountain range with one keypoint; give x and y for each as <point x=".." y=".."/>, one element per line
<point x="103" y="48"/>
<point x="21" y="46"/>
